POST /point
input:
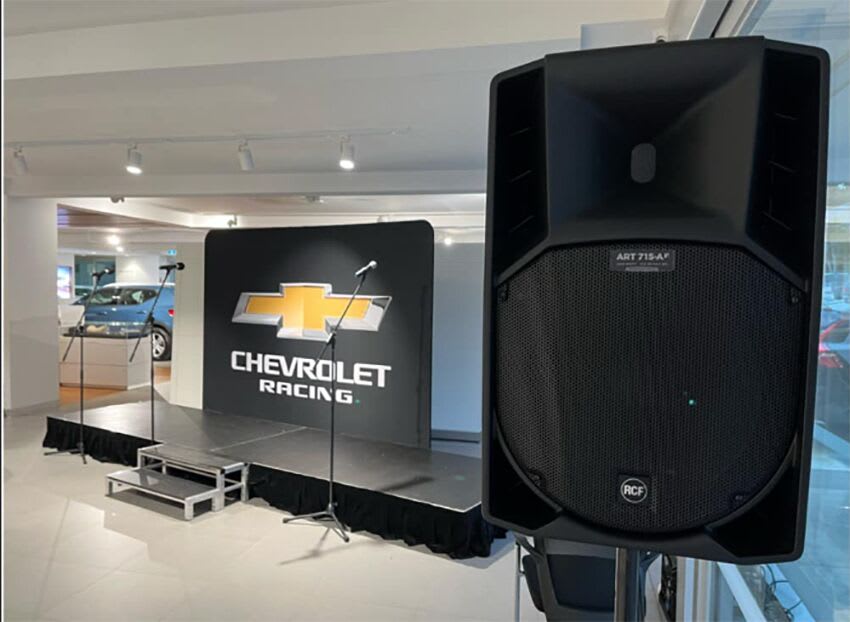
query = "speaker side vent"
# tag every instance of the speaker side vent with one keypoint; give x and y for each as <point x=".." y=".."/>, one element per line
<point x="787" y="157"/>
<point x="520" y="167"/>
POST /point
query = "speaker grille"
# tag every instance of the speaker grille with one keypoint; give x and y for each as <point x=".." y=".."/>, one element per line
<point x="687" y="379"/>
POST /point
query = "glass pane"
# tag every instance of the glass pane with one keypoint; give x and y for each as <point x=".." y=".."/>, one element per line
<point x="817" y="587"/>
<point x="109" y="296"/>
<point x="136" y="296"/>
<point x="86" y="265"/>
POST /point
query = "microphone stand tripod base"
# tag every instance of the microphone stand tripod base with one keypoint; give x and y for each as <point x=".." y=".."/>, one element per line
<point x="328" y="514"/>
<point x="79" y="449"/>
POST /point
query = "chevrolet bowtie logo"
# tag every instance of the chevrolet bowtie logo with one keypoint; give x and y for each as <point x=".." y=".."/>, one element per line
<point x="309" y="310"/>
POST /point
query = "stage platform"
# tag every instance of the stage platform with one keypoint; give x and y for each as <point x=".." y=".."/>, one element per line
<point x="404" y="493"/>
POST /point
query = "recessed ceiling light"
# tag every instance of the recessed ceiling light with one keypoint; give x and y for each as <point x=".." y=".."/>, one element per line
<point x="246" y="158"/>
<point x="448" y="241"/>
<point x="346" y="154"/>
<point x="114" y="240"/>
<point x="134" y="161"/>
<point x="120" y="249"/>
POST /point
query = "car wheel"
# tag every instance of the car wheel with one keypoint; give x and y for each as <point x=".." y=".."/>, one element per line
<point x="161" y="344"/>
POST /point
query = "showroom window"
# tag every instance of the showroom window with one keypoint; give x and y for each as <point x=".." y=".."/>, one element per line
<point x="86" y="265"/>
<point x="816" y="587"/>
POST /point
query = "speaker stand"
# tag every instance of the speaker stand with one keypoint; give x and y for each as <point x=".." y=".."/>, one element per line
<point x="628" y="605"/>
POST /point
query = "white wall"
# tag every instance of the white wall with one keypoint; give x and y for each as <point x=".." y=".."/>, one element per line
<point x="30" y="313"/>
<point x="187" y="355"/>
<point x="137" y="269"/>
<point x="456" y="371"/>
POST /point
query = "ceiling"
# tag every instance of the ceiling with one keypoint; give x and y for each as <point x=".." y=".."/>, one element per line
<point x="189" y="80"/>
<point x="36" y="16"/>
<point x="437" y="100"/>
<point x="69" y="217"/>
<point x="408" y="80"/>
<point x="377" y="205"/>
<point x="87" y="230"/>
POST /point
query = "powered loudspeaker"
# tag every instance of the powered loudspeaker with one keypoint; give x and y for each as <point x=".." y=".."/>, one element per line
<point x="654" y="238"/>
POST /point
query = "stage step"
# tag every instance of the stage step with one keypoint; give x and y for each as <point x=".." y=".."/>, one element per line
<point x="192" y="458"/>
<point x="155" y="475"/>
<point x="158" y="484"/>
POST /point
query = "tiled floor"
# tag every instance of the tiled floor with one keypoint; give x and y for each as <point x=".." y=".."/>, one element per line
<point x="73" y="554"/>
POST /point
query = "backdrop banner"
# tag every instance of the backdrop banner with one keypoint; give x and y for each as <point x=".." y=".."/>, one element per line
<point x="270" y="298"/>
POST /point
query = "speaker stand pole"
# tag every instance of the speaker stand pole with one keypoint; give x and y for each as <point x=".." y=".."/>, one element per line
<point x="627" y="596"/>
<point x="329" y="513"/>
<point x="519" y="574"/>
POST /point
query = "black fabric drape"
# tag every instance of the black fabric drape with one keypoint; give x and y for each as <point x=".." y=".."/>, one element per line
<point x="458" y="534"/>
<point x="451" y="532"/>
<point x="101" y="445"/>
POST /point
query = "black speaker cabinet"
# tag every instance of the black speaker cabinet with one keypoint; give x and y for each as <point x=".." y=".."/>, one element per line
<point x="654" y="237"/>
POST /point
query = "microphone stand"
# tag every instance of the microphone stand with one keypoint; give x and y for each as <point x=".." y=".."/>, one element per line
<point x="149" y="325"/>
<point x="329" y="513"/>
<point x="78" y="330"/>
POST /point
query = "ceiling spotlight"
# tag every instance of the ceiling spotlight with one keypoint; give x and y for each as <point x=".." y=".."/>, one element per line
<point x="114" y="240"/>
<point x="134" y="161"/>
<point x="20" y="162"/>
<point x="246" y="158"/>
<point x="120" y="249"/>
<point x="448" y="241"/>
<point x="346" y="154"/>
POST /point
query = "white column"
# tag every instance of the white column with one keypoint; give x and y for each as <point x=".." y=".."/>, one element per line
<point x="30" y="311"/>
<point x="137" y="269"/>
<point x="187" y="355"/>
<point x="456" y="349"/>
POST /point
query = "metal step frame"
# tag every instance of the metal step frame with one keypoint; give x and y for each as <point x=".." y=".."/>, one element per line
<point x="152" y="476"/>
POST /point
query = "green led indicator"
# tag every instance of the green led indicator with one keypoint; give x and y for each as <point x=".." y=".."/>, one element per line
<point x="356" y="401"/>
<point x="692" y="402"/>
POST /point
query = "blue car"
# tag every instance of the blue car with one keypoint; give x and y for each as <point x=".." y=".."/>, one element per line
<point x="129" y="303"/>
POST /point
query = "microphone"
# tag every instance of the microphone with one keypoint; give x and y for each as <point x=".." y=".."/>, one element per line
<point x="103" y="272"/>
<point x="369" y="266"/>
<point x="173" y="266"/>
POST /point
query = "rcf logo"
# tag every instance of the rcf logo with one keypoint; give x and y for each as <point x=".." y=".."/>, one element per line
<point x="309" y="310"/>
<point x="633" y="489"/>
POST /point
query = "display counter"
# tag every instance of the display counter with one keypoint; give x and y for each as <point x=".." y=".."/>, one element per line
<point x="107" y="360"/>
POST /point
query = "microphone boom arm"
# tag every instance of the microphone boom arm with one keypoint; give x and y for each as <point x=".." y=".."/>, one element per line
<point x="335" y="329"/>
